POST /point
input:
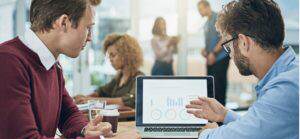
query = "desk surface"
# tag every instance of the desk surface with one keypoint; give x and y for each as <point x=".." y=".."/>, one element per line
<point x="126" y="130"/>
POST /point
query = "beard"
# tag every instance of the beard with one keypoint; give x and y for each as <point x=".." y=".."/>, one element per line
<point x="242" y="62"/>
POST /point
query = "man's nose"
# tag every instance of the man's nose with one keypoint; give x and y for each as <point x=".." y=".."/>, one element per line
<point x="89" y="38"/>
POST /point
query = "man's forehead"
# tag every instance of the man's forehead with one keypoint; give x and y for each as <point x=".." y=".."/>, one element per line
<point x="93" y="9"/>
<point x="90" y="15"/>
<point x="93" y="12"/>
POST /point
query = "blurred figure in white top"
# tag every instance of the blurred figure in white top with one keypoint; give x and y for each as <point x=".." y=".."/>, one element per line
<point x="164" y="48"/>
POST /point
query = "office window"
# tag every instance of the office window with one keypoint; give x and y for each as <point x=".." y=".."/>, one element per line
<point x="149" y="11"/>
<point x="113" y="16"/>
<point x="7" y="9"/>
<point x="290" y="12"/>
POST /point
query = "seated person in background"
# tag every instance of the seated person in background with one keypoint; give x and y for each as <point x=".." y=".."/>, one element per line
<point x="126" y="57"/>
<point x="254" y="34"/>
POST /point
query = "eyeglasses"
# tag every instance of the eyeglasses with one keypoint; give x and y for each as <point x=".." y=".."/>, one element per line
<point x="226" y="45"/>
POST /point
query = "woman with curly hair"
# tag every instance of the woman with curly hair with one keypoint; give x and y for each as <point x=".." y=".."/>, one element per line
<point x="126" y="57"/>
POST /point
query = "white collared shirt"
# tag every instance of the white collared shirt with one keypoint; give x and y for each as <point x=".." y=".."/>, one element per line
<point x="33" y="42"/>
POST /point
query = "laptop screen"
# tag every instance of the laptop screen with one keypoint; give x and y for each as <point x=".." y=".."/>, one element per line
<point x="164" y="100"/>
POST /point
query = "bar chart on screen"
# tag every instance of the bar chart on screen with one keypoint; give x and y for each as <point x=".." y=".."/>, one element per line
<point x="170" y="108"/>
<point x="165" y="100"/>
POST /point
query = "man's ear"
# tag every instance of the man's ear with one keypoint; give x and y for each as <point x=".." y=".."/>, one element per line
<point x="62" y="23"/>
<point x="245" y="43"/>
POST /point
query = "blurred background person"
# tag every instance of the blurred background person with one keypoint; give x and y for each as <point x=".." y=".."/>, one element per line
<point x="164" y="48"/>
<point x="126" y="57"/>
<point x="217" y="61"/>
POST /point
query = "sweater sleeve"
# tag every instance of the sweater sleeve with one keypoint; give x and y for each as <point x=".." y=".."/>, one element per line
<point x="16" y="118"/>
<point x="71" y="120"/>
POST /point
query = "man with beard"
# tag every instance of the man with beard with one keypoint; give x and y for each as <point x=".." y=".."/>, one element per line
<point x="253" y="34"/>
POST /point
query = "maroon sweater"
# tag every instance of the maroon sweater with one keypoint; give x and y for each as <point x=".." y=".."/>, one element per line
<point x="34" y="101"/>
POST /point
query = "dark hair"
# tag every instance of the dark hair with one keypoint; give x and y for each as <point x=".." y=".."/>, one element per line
<point x="259" y="19"/>
<point x="204" y="2"/>
<point x="44" y="12"/>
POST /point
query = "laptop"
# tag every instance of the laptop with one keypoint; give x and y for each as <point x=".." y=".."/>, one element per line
<point x="161" y="101"/>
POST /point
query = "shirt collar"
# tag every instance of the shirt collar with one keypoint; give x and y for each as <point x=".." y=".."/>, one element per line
<point x="33" y="42"/>
<point x="280" y="65"/>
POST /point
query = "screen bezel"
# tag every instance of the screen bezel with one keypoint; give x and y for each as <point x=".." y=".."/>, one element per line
<point x="139" y="96"/>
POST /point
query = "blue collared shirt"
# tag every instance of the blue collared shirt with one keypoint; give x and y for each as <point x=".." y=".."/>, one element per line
<point x="274" y="115"/>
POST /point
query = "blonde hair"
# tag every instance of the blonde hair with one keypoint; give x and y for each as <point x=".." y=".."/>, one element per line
<point x="156" y="30"/>
<point x="128" y="48"/>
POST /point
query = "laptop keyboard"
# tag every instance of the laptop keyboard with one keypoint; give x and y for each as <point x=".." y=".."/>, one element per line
<point x="171" y="129"/>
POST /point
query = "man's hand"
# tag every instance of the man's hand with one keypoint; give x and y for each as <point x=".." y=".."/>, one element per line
<point x="203" y="52"/>
<point x="211" y="59"/>
<point x="207" y="108"/>
<point x="210" y="126"/>
<point x="97" y="128"/>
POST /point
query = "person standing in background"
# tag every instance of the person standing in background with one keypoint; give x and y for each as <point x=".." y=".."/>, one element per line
<point x="164" y="48"/>
<point x="217" y="61"/>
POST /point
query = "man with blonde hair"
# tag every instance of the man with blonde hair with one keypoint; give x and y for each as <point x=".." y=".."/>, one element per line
<point x="33" y="98"/>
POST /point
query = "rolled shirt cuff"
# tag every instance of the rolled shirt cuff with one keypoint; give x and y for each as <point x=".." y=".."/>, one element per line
<point x="230" y="116"/>
<point x="205" y="133"/>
